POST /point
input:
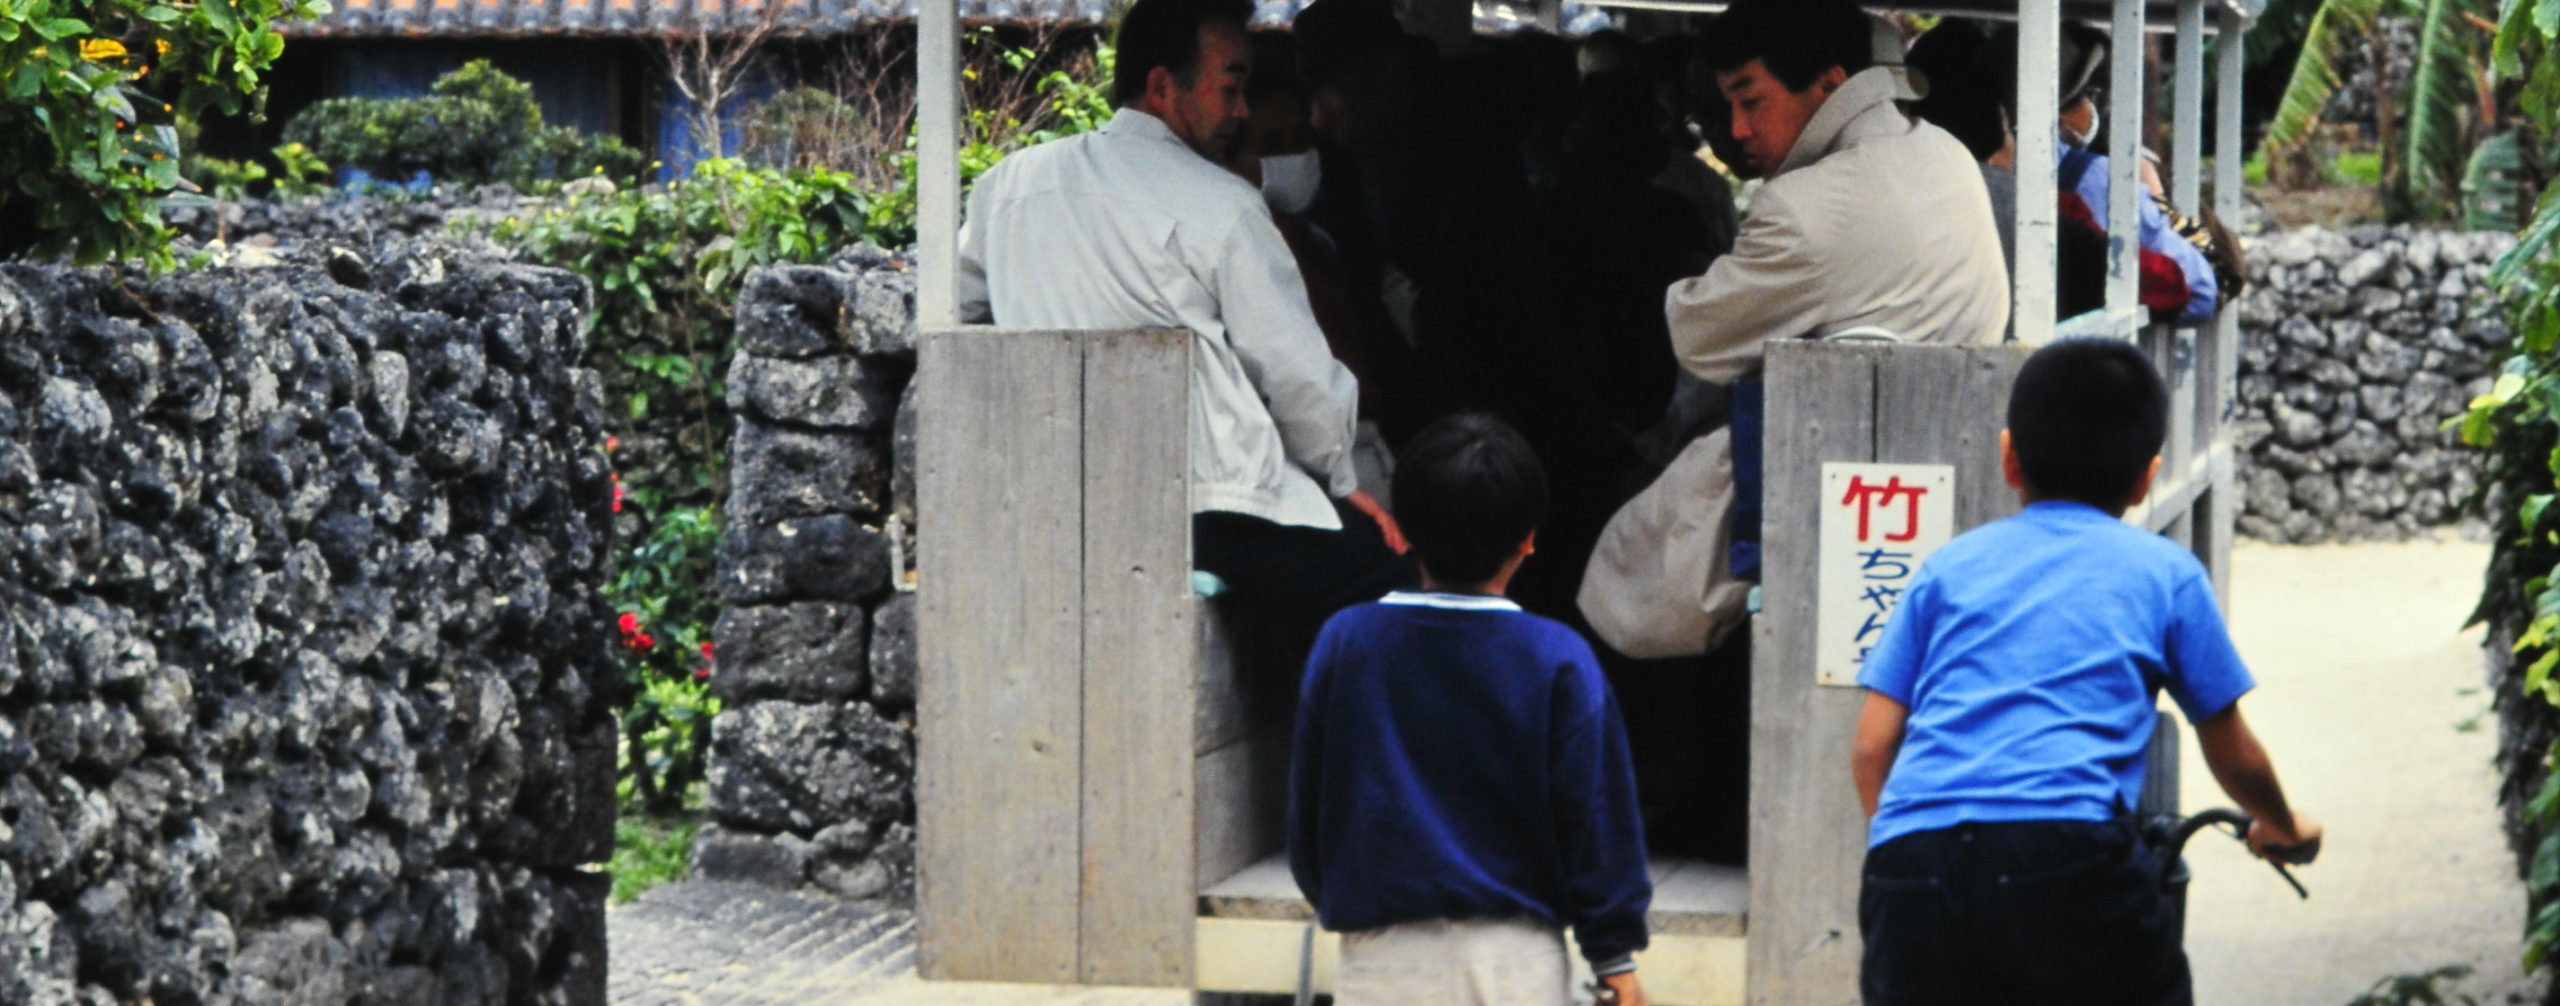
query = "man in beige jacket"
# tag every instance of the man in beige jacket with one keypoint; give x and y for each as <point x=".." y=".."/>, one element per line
<point x="1867" y="217"/>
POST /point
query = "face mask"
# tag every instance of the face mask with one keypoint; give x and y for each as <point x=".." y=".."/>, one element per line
<point x="1289" y="181"/>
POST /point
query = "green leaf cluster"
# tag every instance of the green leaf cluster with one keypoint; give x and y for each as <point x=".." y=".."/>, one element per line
<point x="91" y="92"/>
<point x="2516" y="424"/>
<point x="475" y="126"/>
<point x="667" y="263"/>
<point x="2421" y="174"/>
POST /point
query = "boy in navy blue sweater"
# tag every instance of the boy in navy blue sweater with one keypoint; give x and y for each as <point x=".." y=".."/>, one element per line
<point x="2000" y="753"/>
<point x="1460" y="791"/>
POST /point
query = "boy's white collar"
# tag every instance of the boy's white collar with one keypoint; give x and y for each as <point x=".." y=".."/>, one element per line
<point x="1450" y="602"/>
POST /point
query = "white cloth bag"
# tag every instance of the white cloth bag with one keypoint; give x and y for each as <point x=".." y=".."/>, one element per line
<point x="1660" y="582"/>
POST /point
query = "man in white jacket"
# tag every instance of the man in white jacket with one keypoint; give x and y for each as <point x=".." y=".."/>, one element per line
<point x="1136" y="225"/>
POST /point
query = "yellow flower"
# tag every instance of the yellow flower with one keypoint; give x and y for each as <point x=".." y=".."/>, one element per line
<point x="162" y="45"/>
<point x="98" y="49"/>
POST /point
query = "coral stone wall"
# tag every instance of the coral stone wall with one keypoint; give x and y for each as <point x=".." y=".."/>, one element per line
<point x="2355" y="347"/>
<point x="305" y="682"/>
<point x="813" y="753"/>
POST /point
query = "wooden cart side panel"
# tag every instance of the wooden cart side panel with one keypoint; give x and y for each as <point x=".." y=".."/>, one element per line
<point x="1139" y="643"/>
<point x="1807" y="839"/>
<point x="999" y="644"/>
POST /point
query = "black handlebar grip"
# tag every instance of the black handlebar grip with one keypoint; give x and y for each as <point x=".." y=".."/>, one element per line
<point x="2297" y="855"/>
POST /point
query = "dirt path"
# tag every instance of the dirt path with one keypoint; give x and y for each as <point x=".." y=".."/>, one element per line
<point x="2370" y="700"/>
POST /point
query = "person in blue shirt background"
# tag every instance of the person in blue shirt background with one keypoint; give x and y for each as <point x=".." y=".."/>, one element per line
<point x="1459" y="787"/>
<point x="2000" y="752"/>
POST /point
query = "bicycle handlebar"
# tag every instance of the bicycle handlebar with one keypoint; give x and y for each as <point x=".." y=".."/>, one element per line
<point x="2238" y="823"/>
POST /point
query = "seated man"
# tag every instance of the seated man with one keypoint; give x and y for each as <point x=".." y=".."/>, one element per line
<point x="1867" y="217"/>
<point x="1136" y="225"/>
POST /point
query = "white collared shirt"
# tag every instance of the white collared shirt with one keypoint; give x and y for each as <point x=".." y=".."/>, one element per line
<point x="1126" y="227"/>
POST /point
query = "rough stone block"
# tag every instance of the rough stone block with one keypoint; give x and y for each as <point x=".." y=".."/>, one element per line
<point x="803" y="558"/>
<point x="777" y="472"/>
<point x="792" y="312"/>
<point x="811" y="651"/>
<point x="833" y="392"/>
<point x="884" y="307"/>
<point x="775" y="860"/>
<point x="801" y="767"/>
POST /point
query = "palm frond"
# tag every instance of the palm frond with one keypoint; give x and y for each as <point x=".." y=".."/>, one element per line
<point x="2442" y="90"/>
<point x="2337" y="25"/>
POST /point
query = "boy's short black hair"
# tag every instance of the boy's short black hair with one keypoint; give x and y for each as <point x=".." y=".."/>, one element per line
<point x="1796" y="39"/>
<point x="2086" y="417"/>
<point x="1166" y="33"/>
<point x="1468" y="491"/>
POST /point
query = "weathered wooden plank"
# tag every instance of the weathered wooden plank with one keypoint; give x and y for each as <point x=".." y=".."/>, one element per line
<point x="1807" y="839"/>
<point x="1139" y="645"/>
<point x="1947" y="405"/>
<point x="1000" y="637"/>
<point x="1243" y="799"/>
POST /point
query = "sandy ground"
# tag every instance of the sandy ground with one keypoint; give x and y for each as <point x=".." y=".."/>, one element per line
<point x="2370" y="699"/>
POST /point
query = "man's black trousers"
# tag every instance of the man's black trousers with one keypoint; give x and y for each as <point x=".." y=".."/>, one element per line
<point x="1301" y="574"/>
<point x="2044" y="912"/>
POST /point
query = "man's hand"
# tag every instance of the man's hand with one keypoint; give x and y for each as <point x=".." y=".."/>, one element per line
<point x="1630" y="991"/>
<point x="2266" y="837"/>
<point x="1368" y="504"/>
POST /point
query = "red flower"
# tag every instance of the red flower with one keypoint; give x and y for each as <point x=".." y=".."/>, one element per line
<point x="706" y="653"/>
<point x="610" y="443"/>
<point x="702" y="674"/>
<point x="630" y="623"/>
<point x="617" y="494"/>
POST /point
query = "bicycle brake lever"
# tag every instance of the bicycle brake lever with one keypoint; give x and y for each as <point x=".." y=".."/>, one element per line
<point x="2288" y="878"/>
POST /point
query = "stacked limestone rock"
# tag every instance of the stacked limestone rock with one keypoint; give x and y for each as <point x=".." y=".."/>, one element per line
<point x="2355" y="347"/>
<point x="305" y="683"/>
<point x="813" y="756"/>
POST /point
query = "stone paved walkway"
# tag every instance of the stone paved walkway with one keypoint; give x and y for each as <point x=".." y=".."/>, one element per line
<point x="705" y="943"/>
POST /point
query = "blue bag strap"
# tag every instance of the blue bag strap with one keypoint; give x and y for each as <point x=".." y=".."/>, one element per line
<point x="1749" y="423"/>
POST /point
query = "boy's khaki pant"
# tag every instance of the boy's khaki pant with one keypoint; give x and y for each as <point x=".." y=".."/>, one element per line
<point x="1471" y="962"/>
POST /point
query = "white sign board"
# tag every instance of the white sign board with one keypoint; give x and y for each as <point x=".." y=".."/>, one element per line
<point x="1878" y="523"/>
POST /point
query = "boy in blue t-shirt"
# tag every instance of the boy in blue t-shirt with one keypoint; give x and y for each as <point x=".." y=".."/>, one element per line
<point x="1459" y="790"/>
<point x="2009" y="706"/>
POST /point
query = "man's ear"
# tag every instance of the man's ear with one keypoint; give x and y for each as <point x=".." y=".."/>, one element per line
<point x="1830" y="81"/>
<point x="1162" y="89"/>
<point x="2010" y="472"/>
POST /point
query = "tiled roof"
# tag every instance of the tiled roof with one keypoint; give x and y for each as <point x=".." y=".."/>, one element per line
<point x="515" y="18"/>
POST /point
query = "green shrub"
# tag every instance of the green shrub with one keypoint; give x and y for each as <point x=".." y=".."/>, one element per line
<point x="667" y="263"/>
<point x="2517" y="425"/>
<point x="476" y="126"/>
<point x="89" y="103"/>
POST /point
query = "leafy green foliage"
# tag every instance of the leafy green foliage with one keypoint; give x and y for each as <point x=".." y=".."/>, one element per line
<point x="91" y="92"/>
<point x="2423" y="167"/>
<point x="2517" y="425"/>
<point x="2331" y="29"/>
<point x="2441" y="91"/>
<point x="476" y="126"/>
<point x="666" y="263"/>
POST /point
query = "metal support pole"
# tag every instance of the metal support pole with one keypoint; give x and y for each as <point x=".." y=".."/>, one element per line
<point x="2039" y="41"/>
<point x="938" y="163"/>
<point x="2186" y="137"/>
<point x="2124" y="167"/>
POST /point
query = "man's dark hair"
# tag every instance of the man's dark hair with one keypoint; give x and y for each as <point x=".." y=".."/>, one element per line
<point x="1796" y="39"/>
<point x="1468" y="491"/>
<point x="1166" y="33"/>
<point x="2086" y="417"/>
